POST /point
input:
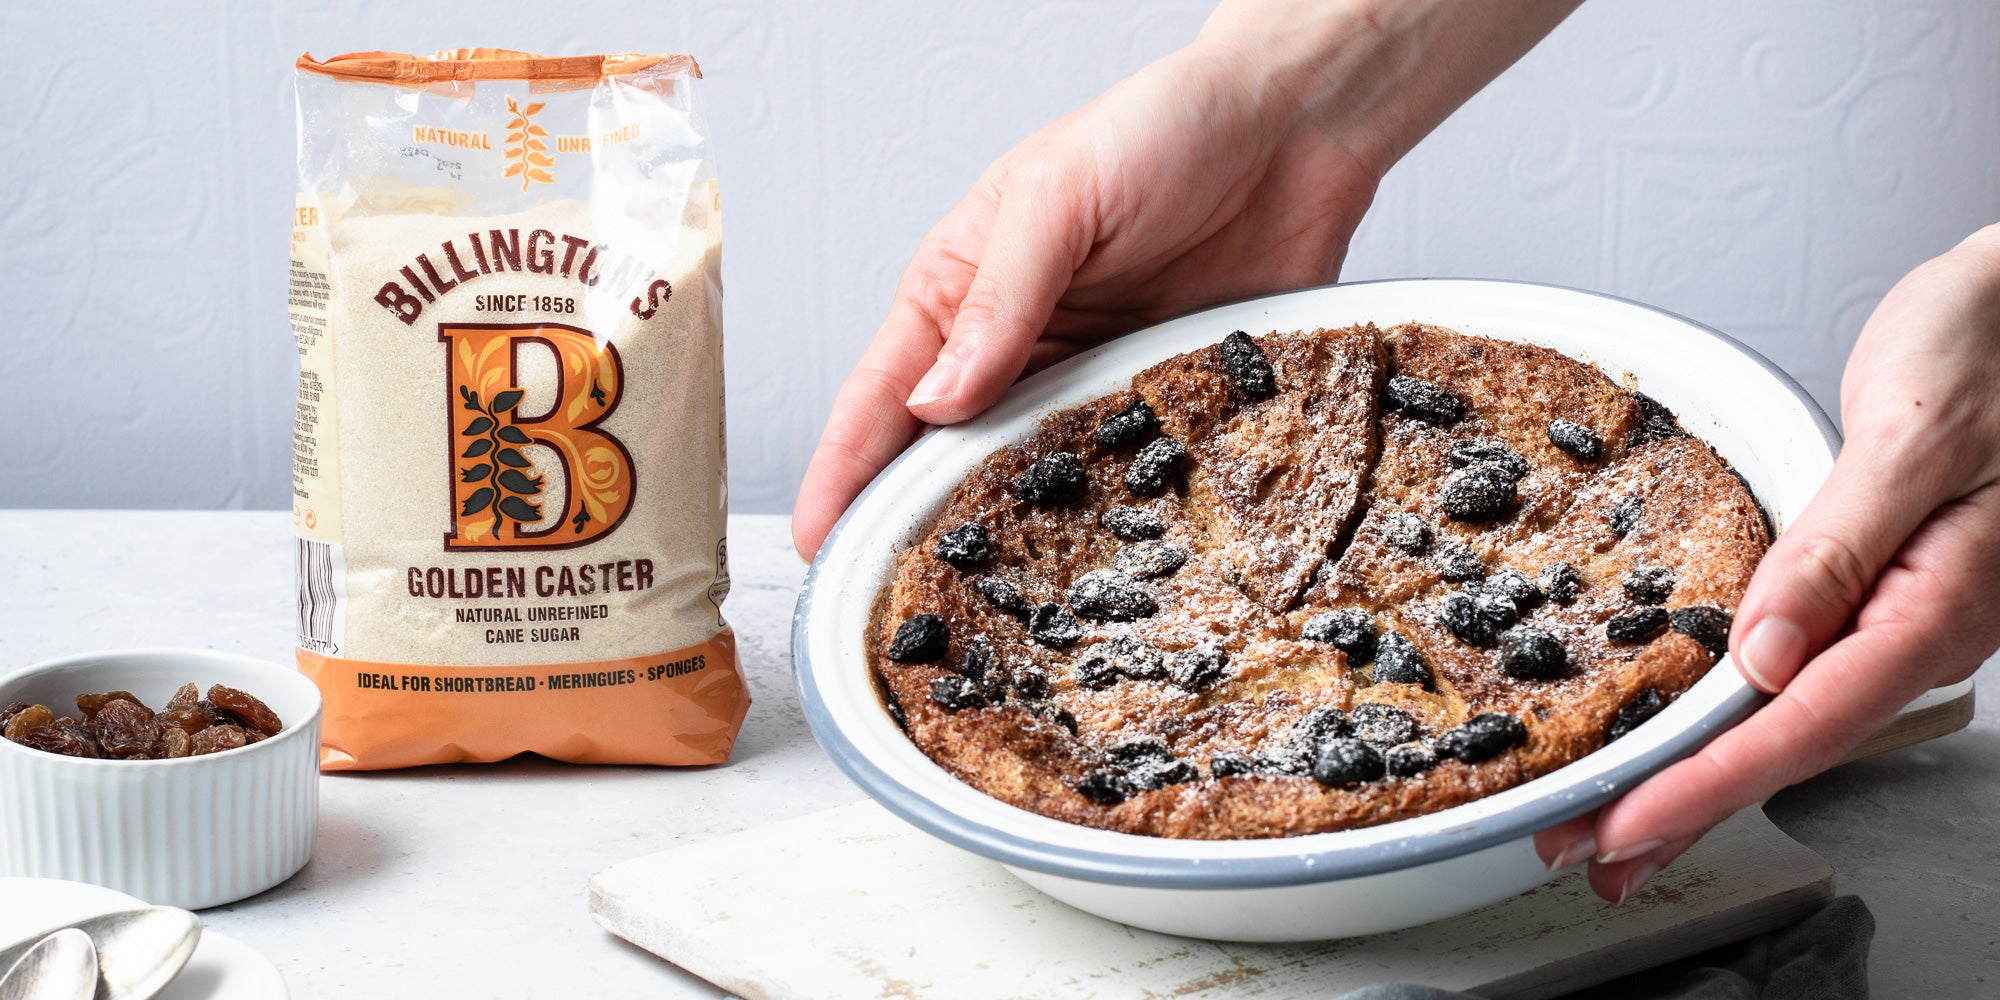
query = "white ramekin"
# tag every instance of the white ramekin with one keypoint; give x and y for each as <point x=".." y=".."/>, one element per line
<point x="1324" y="885"/>
<point x="193" y="832"/>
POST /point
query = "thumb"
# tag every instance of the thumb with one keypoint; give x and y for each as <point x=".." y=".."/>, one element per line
<point x="1811" y="581"/>
<point x="1035" y="247"/>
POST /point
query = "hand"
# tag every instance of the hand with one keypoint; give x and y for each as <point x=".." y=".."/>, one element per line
<point x="1237" y="166"/>
<point x="1882" y="589"/>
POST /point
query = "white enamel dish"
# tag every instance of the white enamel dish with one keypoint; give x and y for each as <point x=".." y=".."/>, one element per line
<point x="1328" y="885"/>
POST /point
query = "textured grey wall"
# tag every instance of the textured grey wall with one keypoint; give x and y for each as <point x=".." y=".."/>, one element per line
<point x="1769" y="169"/>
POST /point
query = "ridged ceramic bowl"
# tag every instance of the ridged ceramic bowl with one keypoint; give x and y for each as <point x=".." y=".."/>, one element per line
<point x="1326" y="885"/>
<point x="193" y="832"/>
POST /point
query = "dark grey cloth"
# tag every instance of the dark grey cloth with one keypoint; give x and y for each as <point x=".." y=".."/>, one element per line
<point x="1823" y="957"/>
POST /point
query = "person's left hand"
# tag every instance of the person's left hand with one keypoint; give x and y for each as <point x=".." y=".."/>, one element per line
<point x="1882" y="589"/>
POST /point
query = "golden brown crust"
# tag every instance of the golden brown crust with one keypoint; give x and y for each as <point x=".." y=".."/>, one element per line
<point x="1283" y="508"/>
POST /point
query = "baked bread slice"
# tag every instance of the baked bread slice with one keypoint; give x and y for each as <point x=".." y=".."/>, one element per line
<point x="1311" y="581"/>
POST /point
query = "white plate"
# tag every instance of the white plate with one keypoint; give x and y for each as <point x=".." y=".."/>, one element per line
<point x="222" y="968"/>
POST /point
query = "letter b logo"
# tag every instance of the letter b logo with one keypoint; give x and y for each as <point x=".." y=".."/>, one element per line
<point x="542" y="481"/>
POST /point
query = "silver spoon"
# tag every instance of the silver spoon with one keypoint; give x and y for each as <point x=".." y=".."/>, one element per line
<point x="138" y="951"/>
<point x="61" y="966"/>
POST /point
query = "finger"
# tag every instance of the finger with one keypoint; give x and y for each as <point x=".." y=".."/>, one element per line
<point x="1568" y="843"/>
<point x="869" y="424"/>
<point x="1812" y="580"/>
<point x="1037" y="242"/>
<point x="1618" y="882"/>
<point x="1931" y="618"/>
<point x="866" y="430"/>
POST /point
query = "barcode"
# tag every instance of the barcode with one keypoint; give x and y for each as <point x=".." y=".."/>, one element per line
<point x="319" y="572"/>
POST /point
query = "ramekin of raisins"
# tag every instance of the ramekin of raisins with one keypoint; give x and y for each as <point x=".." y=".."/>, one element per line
<point x="184" y="777"/>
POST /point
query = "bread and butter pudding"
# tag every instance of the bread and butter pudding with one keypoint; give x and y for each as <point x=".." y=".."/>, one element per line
<point x="1312" y="581"/>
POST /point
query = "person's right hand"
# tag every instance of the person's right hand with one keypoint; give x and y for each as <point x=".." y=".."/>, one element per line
<point x="1236" y="166"/>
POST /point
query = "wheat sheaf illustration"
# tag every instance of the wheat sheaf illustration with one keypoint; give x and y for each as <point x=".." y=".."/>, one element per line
<point x="526" y="146"/>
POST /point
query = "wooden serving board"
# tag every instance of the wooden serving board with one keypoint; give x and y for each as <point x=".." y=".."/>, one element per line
<point x="853" y="902"/>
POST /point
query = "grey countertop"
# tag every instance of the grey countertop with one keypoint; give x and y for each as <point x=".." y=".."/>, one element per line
<point x="469" y="880"/>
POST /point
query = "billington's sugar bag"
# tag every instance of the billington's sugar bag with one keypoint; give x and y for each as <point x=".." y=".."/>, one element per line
<point x="508" y="485"/>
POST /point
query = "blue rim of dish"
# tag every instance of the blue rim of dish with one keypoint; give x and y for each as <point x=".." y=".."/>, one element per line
<point x="1301" y="868"/>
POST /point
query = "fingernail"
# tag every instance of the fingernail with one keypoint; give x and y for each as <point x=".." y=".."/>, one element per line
<point x="1773" y="649"/>
<point x="1636" y="880"/>
<point x="1575" y="853"/>
<point x="937" y="383"/>
<point x="1627" y="853"/>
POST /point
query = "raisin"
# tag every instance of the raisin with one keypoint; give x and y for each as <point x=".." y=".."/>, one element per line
<point x="1483" y="492"/>
<point x="1636" y="625"/>
<point x="981" y="665"/>
<point x="1644" y="705"/>
<point x="1106" y="595"/>
<point x="57" y="740"/>
<point x="1408" y="534"/>
<point x="1625" y="516"/>
<point x="1708" y="626"/>
<point x="86" y="740"/>
<point x="1345" y="761"/>
<point x="1053" y="479"/>
<point x="1248" y="367"/>
<point x="1103" y="663"/>
<point x="1319" y="725"/>
<point x="1002" y="594"/>
<point x="1382" y="725"/>
<point x="1158" y="774"/>
<point x="28" y="720"/>
<point x="1457" y="562"/>
<point x="91" y="704"/>
<point x="1656" y="422"/>
<point x="7" y="714"/>
<point x="1029" y="681"/>
<point x="1052" y="713"/>
<point x="1350" y="630"/>
<point x="1128" y="426"/>
<point x="1133" y="524"/>
<point x="1409" y="759"/>
<point x="1150" y="560"/>
<point x="184" y="712"/>
<point x="1398" y="662"/>
<point x="920" y="639"/>
<point x="1515" y="586"/>
<point x="1560" y="582"/>
<point x="216" y="739"/>
<point x="1106" y="788"/>
<point x="967" y="546"/>
<point x="895" y="708"/>
<point x="1138" y="749"/>
<point x="1198" y="668"/>
<point x="1301" y="744"/>
<point x="1225" y="764"/>
<point x="254" y="714"/>
<point x="1421" y="400"/>
<point x="1486" y="451"/>
<point x="1154" y="467"/>
<point x="124" y="728"/>
<point x="174" y="742"/>
<point x="1462" y="615"/>
<point x="1483" y="737"/>
<point x="1576" y="439"/>
<point x="1530" y="653"/>
<point x="1649" y="584"/>
<point x="1053" y="626"/>
<point x="956" y="692"/>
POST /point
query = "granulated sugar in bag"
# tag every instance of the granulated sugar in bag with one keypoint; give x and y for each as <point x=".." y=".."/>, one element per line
<point x="508" y="486"/>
